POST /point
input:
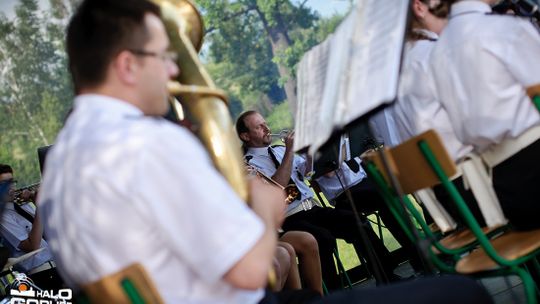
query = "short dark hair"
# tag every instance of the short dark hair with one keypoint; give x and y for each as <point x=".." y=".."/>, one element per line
<point x="241" y="122"/>
<point x="99" y="30"/>
<point x="5" y="169"/>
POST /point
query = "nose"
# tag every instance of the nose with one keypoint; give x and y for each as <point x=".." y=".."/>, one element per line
<point x="173" y="69"/>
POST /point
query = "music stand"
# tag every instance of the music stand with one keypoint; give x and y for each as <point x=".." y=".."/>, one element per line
<point x="42" y="154"/>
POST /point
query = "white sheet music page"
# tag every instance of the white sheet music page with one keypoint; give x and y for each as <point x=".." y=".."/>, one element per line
<point x="362" y="69"/>
<point x="311" y="77"/>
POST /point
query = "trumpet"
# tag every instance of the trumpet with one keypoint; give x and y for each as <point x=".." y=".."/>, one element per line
<point x="281" y="135"/>
<point x="18" y="197"/>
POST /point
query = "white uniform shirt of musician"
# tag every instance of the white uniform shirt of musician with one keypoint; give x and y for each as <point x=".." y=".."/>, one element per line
<point x="482" y="65"/>
<point x="260" y="159"/>
<point x="333" y="184"/>
<point x="418" y="108"/>
<point x="122" y="187"/>
<point x="15" y="229"/>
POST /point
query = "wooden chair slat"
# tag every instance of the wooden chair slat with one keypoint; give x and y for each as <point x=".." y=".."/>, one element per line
<point x="109" y="289"/>
<point x="511" y="245"/>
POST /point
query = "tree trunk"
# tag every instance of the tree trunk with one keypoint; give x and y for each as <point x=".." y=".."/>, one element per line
<point x="279" y="40"/>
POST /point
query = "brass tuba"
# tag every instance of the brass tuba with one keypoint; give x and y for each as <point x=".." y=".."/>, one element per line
<point x="203" y="103"/>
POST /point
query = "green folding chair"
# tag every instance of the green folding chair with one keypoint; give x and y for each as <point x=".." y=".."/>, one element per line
<point x="504" y="254"/>
<point x="131" y="285"/>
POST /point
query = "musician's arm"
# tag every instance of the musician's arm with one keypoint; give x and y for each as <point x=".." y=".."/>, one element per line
<point x="251" y="271"/>
<point x="283" y="172"/>
<point x="33" y="242"/>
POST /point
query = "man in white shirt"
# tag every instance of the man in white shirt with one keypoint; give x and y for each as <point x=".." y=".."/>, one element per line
<point x="305" y="213"/>
<point x="117" y="190"/>
<point x="22" y="231"/>
<point x="485" y="68"/>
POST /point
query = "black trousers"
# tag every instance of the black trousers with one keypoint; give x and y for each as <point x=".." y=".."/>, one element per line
<point x="444" y="198"/>
<point x="368" y="200"/>
<point x="440" y="290"/>
<point x="517" y="184"/>
<point x="327" y="224"/>
<point x="48" y="279"/>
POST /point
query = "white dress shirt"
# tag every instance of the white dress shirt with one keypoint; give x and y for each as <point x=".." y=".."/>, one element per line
<point x="482" y="65"/>
<point x="15" y="229"/>
<point x="123" y="188"/>
<point x="344" y="178"/>
<point x="261" y="160"/>
<point x="418" y="109"/>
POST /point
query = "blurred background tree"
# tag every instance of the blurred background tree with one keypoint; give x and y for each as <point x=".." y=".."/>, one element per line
<point x="251" y="50"/>
<point x="36" y="93"/>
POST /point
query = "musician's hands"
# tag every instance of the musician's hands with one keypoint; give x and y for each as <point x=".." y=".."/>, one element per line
<point x="289" y="141"/>
<point x="28" y="195"/>
<point x="267" y="201"/>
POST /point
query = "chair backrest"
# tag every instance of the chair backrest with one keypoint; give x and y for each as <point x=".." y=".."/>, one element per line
<point x="129" y="285"/>
<point x="536" y="101"/>
<point x="534" y="94"/>
<point x="410" y="166"/>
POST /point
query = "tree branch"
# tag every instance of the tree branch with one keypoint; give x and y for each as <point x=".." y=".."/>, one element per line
<point x="229" y="17"/>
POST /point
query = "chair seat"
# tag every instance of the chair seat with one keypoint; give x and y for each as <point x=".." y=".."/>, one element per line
<point x="460" y="239"/>
<point x="511" y="245"/>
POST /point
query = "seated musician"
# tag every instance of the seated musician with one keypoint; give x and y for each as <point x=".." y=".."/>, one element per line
<point x="144" y="198"/>
<point x="22" y="231"/>
<point x="417" y="108"/>
<point x="305" y="213"/>
<point x="351" y="177"/>
<point x="486" y="88"/>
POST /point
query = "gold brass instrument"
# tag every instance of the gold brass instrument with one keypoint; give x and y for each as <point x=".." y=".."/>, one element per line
<point x="292" y="191"/>
<point x="204" y="105"/>
<point x="18" y="194"/>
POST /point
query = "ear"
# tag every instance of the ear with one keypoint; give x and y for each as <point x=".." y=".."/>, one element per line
<point x="420" y="9"/>
<point x="126" y="66"/>
<point x="244" y="136"/>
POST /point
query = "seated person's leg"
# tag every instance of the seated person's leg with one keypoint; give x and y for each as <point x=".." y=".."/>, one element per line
<point x="326" y="244"/>
<point x="282" y="265"/>
<point x="342" y="224"/>
<point x="307" y="250"/>
<point x="293" y="277"/>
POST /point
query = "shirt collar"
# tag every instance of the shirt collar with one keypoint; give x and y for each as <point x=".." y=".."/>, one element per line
<point x="469" y="6"/>
<point x="260" y="151"/>
<point x="429" y="34"/>
<point x="111" y="104"/>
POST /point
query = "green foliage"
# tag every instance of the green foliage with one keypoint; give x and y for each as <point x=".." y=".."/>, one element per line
<point x="304" y="39"/>
<point x="36" y="91"/>
<point x="280" y="118"/>
<point x="241" y="57"/>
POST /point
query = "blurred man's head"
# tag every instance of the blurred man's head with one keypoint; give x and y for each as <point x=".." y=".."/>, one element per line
<point x="120" y="49"/>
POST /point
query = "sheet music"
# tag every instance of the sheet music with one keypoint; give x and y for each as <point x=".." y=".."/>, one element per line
<point x="311" y="78"/>
<point x="362" y="70"/>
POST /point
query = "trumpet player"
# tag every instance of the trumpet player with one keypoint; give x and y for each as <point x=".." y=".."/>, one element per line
<point x="22" y="230"/>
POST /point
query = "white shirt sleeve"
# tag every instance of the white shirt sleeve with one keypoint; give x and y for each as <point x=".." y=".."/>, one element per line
<point x="12" y="229"/>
